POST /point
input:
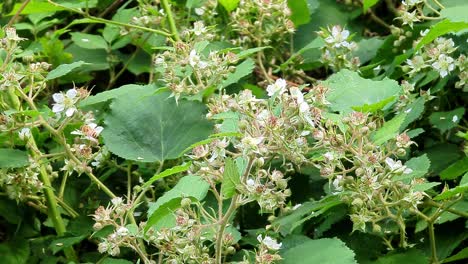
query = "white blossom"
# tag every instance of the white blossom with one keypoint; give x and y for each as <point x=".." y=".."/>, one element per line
<point x="329" y="156"/>
<point x="65" y="102"/>
<point x="122" y="231"/>
<point x="199" y="28"/>
<point x="195" y="61"/>
<point x="337" y="183"/>
<point x="117" y="201"/>
<point x="24" y="133"/>
<point x="338" y="37"/>
<point x="444" y="65"/>
<point x="269" y="242"/>
<point x="199" y="11"/>
<point x="397" y="166"/>
<point x="279" y="87"/>
<point x="409" y="18"/>
<point x="454" y="118"/>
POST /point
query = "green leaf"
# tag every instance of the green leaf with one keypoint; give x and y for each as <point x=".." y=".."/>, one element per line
<point x="413" y="112"/>
<point x="246" y="53"/>
<point x="421" y="187"/>
<point x="300" y="13"/>
<point x="13" y="158"/>
<point x="62" y="243"/>
<point x="324" y="251"/>
<point x="442" y="155"/>
<point x="149" y="127"/>
<point x="88" y="41"/>
<point x="231" y="179"/>
<point x="96" y="58"/>
<point x="420" y="166"/>
<point x="374" y="108"/>
<point x="287" y="223"/>
<point x="64" y="69"/>
<point x="455" y="13"/>
<point x="242" y="70"/>
<point x="229" y="5"/>
<point x="461" y="188"/>
<point x="162" y="210"/>
<point x="461" y="255"/>
<point x="455" y="170"/>
<point x="367" y="49"/>
<point x="115" y="93"/>
<point x="16" y="251"/>
<point x="34" y="7"/>
<point x="445" y="121"/>
<point x="389" y="130"/>
<point x="414" y="132"/>
<point x="10" y="210"/>
<point x="439" y="29"/>
<point x="368" y="4"/>
<point x="348" y="89"/>
<point x="168" y="172"/>
<point x="412" y="256"/>
<point x="115" y="261"/>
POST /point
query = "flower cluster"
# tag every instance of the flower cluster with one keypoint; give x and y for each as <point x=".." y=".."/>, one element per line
<point x="338" y="50"/>
<point x="267" y="250"/>
<point x="411" y="11"/>
<point x="365" y="175"/>
<point x="185" y="242"/>
<point x="191" y="67"/>
<point x="262" y="23"/>
<point x="115" y="215"/>
<point x="437" y="56"/>
<point x="21" y="184"/>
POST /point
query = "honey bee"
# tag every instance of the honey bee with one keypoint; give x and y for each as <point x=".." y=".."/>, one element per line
<point x="89" y="131"/>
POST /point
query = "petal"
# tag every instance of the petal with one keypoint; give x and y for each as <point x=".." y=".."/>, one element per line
<point x="98" y="130"/>
<point x="57" y="108"/>
<point x="70" y="111"/>
<point x="72" y="93"/>
<point x="58" y="97"/>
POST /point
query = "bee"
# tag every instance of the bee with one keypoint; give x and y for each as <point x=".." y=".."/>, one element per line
<point x="89" y="131"/>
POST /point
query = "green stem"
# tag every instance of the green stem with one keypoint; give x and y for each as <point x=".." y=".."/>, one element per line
<point x="52" y="205"/>
<point x="224" y="220"/>
<point x="12" y="20"/>
<point x="434" y="259"/>
<point x="170" y="19"/>
<point x="453" y="211"/>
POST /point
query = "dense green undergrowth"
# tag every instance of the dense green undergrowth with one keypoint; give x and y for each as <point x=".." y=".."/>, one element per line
<point x="233" y="131"/>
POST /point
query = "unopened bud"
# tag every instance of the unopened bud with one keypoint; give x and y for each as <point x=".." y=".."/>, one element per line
<point x="401" y="152"/>
<point x="186" y="202"/>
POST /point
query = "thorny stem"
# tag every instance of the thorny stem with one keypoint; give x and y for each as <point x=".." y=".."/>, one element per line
<point x="170" y="19"/>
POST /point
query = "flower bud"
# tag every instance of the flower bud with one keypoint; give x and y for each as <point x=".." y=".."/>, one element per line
<point x="230" y="250"/>
<point x="282" y="184"/>
<point x="186" y="202"/>
<point x="259" y="162"/>
<point x="376" y="228"/>
<point x="357" y="202"/>
<point x="401" y="152"/>
<point x="359" y="172"/>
